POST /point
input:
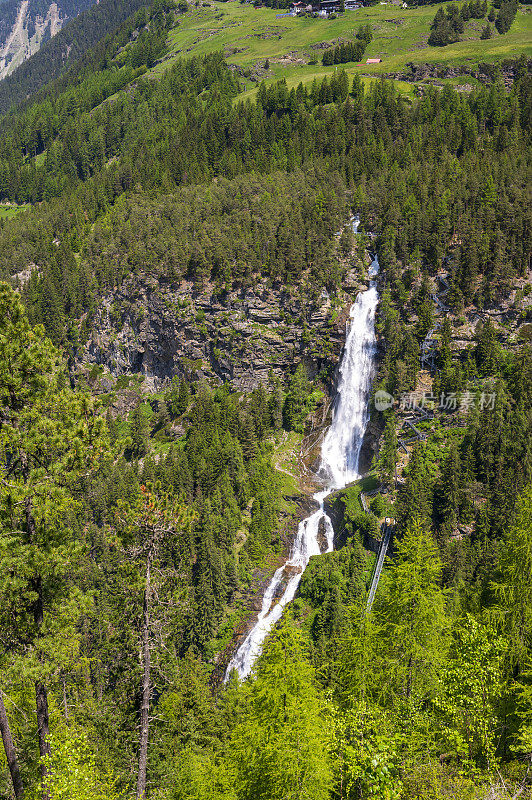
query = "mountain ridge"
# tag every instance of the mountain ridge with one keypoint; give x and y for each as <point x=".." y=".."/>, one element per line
<point x="27" y="24"/>
<point x="89" y="25"/>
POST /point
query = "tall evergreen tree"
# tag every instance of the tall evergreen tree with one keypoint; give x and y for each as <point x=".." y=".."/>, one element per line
<point x="514" y="610"/>
<point x="49" y="438"/>
<point x="388" y="452"/>
<point x="410" y="612"/>
<point x="280" y="747"/>
<point x="294" y="407"/>
<point x="145" y="523"/>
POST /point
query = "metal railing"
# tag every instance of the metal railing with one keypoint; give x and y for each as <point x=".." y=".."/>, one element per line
<point x="388" y="527"/>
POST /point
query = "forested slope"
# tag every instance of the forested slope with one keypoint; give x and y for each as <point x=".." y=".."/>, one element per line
<point x="140" y="506"/>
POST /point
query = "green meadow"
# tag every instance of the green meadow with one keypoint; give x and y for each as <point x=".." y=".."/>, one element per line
<point x="250" y="36"/>
<point x="7" y="212"/>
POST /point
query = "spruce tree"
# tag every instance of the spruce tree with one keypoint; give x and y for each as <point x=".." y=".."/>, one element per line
<point x="294" y="407"/>
<point x="512" y="584"/>
<point x="50" y="438"/>
<point x="449" y="494"/>
<point x="280" y="747"/>
<point x="144" y="524"/>
<point x="410" y="614"/>
<point x="276" y="405"/>
<point x="139" y="431"/>
<point x="388" y="451"/>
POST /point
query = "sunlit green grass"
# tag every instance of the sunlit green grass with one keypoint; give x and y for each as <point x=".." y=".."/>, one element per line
<point x="7" y="212"/>
<point x="250" y="36"/>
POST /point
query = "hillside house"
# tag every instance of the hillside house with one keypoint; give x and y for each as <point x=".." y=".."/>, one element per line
<point x="323" y="7"/>
<point x="330" y="6"/>
<point x="303" y="8"/>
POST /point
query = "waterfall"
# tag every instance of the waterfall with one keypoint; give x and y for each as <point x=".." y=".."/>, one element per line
<point x="340" y="454"/>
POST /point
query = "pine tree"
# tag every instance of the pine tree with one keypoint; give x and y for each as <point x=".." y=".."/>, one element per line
<point x="388" y="451"/>
<point x="279" y="749"/>
<point x="410" y="614"/>
<point x="50" y="439"/>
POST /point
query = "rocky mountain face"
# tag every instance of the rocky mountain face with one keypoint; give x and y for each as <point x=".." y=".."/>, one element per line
<point x="26" y="24"/>
<point x="159" y="330"/>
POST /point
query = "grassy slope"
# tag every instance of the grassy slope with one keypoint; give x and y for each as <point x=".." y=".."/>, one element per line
<point x="400" y="37"/>
<point x="6" y="212"/>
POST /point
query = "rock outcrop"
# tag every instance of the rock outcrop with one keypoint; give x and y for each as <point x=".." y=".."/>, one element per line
<point x="26" y="24"/>
<point x="159" y="330"/>
<point x="484" y="73"/>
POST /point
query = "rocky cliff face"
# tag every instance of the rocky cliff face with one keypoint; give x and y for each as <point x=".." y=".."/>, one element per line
<point x="26" y="24"/>
<point x="159" y="330"/>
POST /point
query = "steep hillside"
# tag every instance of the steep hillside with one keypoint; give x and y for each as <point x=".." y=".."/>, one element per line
<point x="267" y="44"/>
<point x="177" y="260"/>
<point x="26" y="24"/>
<point x="30" y="58"/>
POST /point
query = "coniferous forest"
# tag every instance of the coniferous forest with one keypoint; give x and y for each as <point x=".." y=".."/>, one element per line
<point x="144" y="510"/>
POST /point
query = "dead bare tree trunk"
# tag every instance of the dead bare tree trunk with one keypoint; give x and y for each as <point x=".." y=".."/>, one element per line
<point x="41" y="699"/>
<point x="150" y="520"/>
<point x="146" y="685"/>
<point x="41" y="695"/>
<point x="11" y="754"/>
<point x="409" y="678"/>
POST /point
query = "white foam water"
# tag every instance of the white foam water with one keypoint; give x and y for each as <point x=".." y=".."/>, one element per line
<point x="340" y="454"/>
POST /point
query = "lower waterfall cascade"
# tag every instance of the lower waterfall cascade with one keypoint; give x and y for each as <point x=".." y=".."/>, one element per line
<point x="340" y="454"/>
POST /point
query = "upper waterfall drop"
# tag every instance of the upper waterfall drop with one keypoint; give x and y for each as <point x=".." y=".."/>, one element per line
<point x="340" y="454"/>
<point x="340" y="451"/>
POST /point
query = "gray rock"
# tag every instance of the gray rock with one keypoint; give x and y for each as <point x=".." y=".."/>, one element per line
<point x="158" y="331"/>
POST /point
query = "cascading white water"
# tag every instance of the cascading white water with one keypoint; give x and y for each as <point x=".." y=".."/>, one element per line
<point x="340" y="454"/>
